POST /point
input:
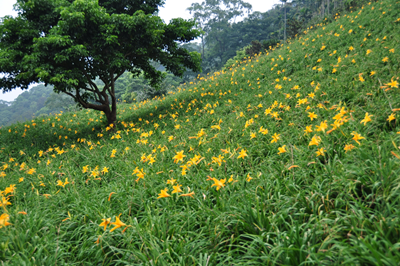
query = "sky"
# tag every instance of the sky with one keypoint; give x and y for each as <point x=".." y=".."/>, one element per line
<point x="171" y="9"/>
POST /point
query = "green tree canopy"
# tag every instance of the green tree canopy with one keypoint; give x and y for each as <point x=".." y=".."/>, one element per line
<point x="70" y="43"/>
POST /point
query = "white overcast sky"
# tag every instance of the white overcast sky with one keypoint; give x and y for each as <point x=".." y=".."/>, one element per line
<point x="171" y="9"/>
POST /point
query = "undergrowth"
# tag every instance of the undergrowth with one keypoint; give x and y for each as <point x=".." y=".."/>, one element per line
<point x="290" y="157"/>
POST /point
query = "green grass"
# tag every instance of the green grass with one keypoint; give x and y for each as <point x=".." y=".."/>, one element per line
<point x="292" y="208"/>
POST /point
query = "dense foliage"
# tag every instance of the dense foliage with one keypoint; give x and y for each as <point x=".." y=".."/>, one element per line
<point x="71" y="43"/>
<point x="223" y="35"/>
<point x="290" y="157"/>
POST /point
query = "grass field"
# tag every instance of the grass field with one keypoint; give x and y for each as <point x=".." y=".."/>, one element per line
<point x="291" y="157"/>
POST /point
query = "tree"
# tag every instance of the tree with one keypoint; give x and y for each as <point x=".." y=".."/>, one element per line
<point x="215" y="18"/>
<point x="284" y="4"/>
<point x="70" y="43"/>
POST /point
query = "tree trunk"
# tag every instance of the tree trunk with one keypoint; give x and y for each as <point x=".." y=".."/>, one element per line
<point x="284" y="34"/>
<point x="202" y="44"/>
<point x="327" y="8"/>
<point x="111" y="115"/>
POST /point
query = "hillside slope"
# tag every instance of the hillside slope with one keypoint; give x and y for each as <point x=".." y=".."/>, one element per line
<point x="291" y="157"/>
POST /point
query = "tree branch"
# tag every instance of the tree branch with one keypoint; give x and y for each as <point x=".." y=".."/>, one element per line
<point x="85" y="104"/>
<point x="95" y="89"/>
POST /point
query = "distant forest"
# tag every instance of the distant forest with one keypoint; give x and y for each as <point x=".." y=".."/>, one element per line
<point x="39" y="100"/>
<point x="223" y="38"/>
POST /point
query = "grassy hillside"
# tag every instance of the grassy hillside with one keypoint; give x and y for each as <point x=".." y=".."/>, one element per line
<point x="288" y="158"/>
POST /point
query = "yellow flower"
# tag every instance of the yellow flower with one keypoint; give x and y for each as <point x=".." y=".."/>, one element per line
<point x="105" y="170"/>
<point x="31" y="171"/>
<point x="177" y="189"/>
<point x="225" y="151"/>
<point x="322" y="127"/>
<point x="62" y="184"/>
<point x="201" y="133"/>
<point x="94" y="173"/>
<point x="85" y="168"/>
<point x="385" y="59"/>
<point x="109" y="196"/>
<point x="248" y="178"/>
<point x="321" y="152"/>
<point x="4" y="202"/>
<point x="275" y="138"/>
<point x="393" y="84"/>
<point x="189" y="194"/>
<point x="219" y="160"/>
<point x="391" y="117"/>
<point x="163" y="194"/>
<point x="4" y="220"/>
<point x="349" y="147"/>
<point x="282" y="149"/>
<point x="140" y="174"/>
<point x="357" y="137"/>
<point x="312" y="115"/>
<point x="263" y="131"/>
<point x="171" y="181"/>
<point x="178" y="157"/>
<point x="218" y="183"/>
<point x="11" y="189"/>
<point x="308" y="129"/>
<point x="366" y="119"/>
<point x="242" y="154"/>
<point x="216" y="127"/>
<point x="232" y="180"/>
<point x="315" y="141"/>
<point x="105" y="223"/>
<point x="117" y="223"/>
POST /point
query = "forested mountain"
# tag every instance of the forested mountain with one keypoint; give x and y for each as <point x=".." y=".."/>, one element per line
<point x="39" y="100"/>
